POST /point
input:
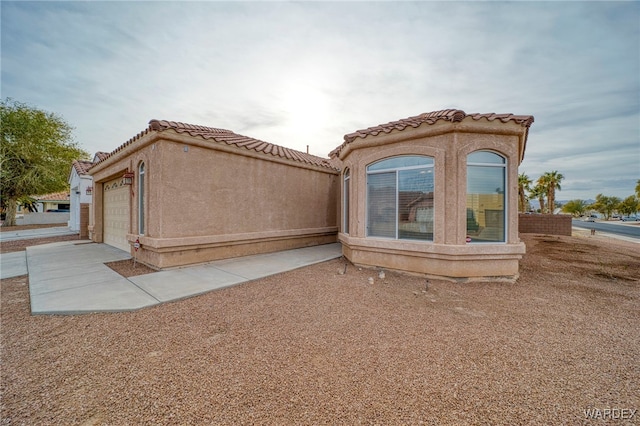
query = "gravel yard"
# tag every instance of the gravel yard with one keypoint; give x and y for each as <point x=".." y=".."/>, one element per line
<point x="313" y="346"/>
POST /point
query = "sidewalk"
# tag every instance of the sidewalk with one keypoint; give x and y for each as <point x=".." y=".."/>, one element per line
<point x="36" y="233"/>
<point x="71" y="278"/>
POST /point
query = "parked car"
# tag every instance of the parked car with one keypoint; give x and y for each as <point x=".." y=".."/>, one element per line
<point x="630" y="218"/>
<point x="589" y="219"/>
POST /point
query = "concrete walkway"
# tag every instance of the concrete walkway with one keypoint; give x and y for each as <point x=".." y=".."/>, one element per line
<point x="71" y="278"/>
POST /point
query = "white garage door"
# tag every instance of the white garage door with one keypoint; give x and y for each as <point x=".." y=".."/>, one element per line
<point x="116" y="214"/>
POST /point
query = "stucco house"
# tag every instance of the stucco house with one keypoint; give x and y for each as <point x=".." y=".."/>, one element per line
<point x="190" y="194"/>
<point x="49" y="209"/>
<point x="81" y="185"/>
<point x="81" y="195"/>
<point x="55" y="202"/>
<point x="434" y="194"/>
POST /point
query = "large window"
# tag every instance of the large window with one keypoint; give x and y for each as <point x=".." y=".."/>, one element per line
<point x="141" y="173"/>
<point x="345" y="202"/>
<point x="486" y="187"/>
<point x="400" y="198"/>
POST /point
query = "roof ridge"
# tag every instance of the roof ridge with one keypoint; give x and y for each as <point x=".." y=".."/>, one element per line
<point x="178" y="126"/>
<point x="228" y="137"/>
<point x="53" y="196"/>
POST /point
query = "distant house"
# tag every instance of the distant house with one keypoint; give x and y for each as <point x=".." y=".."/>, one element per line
<point x="49" y="209"/>
<point x="434" y="194"/>
<point x="191" y="194"/>
<point x="58" y="202"/>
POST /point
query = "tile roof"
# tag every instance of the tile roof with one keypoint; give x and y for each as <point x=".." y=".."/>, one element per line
<point x="451" y="115"/>
<point x="227" y="137"/>
<point x="100" y="155"/>
<point x="56" y="196"/>
<point x="81" y="166"/>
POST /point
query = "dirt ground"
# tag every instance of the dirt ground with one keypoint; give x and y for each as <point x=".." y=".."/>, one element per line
<point x="313" y="346"/>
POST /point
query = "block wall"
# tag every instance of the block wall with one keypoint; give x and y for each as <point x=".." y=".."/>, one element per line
<point x="550" y="224"/>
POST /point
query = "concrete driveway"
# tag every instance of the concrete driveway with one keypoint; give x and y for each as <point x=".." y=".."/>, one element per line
<point x="71" y="277"/>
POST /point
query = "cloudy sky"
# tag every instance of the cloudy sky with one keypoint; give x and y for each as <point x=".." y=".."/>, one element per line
<point x="307" y="73"/>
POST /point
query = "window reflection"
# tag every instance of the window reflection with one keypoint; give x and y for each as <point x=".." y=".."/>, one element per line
<point x="486" y="175"/>
<point x="400" y="198"/>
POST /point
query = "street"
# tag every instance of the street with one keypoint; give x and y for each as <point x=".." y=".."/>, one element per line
<point x="626" y="229"/>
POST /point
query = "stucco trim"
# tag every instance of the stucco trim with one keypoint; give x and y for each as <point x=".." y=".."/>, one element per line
<point x="490" y="262"/>
<point x="426" y="130"/>
<point x="227" y="239"/>
<point x="429" y="249"/>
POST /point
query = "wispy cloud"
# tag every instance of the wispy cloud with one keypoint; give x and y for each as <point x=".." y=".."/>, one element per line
<point x="307" y="73"/>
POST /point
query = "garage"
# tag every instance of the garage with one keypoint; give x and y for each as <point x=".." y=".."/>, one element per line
<point x="116" y="214"/>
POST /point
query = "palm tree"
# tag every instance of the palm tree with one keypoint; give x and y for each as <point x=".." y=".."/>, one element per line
<point x="523" y="185"/>
<point x="551" y="182"/>
<point x="539" y="192"/>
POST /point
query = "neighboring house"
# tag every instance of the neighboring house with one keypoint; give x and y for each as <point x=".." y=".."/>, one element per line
<point x="58" y="202"/>
<point x="434" y="194"/>
<point x="81" y="185"/>
<point x="192" y="194"/>
<point x="50" y="209"/>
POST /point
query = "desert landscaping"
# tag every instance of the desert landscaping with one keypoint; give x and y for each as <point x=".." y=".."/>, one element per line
<point x="319" y="346"/>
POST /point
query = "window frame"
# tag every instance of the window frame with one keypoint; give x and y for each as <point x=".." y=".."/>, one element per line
<point x="396" y="171"/>
<point x="505" y="177"/>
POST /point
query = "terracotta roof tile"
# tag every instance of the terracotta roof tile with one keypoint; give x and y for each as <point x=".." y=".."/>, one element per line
<point x="81" y="166"/>
<point x="100" y="155"/>
<point x="230" y="138"/>
<point x="451" y="115"/>
<point x="56" y="196"/>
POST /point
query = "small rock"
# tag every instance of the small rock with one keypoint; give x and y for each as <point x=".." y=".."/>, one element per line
<point x="370" y="280"/>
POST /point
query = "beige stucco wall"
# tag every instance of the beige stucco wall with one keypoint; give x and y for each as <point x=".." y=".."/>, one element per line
<point x="206" y="201"/>
<point x="448" y="255"/>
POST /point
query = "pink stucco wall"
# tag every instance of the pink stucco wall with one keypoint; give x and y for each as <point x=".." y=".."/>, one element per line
<point x="205" y="201"/>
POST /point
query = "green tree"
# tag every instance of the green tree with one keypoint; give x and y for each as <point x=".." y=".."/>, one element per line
<point x="551" y="183"/>
<point x="629" y="205"/>
<point x="36" y="152"/>
<point x="523" y="186"/>
<point x="605" y="205"/>
<point x="575" y="207"/>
